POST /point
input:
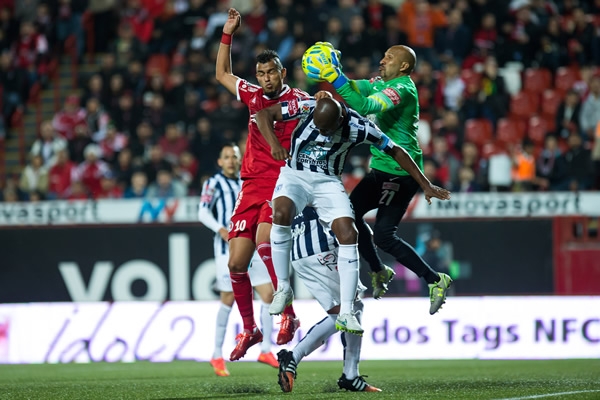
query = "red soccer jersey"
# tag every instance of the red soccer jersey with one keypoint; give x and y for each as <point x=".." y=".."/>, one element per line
<point x="257" y="161"/>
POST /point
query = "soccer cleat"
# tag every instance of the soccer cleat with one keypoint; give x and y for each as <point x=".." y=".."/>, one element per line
<point x="281" y="299"/>
<point x="245" y="341"/>
<point x="219" y="367"/>
<point x="287" y="329"/>
<point x="287" y="370"/>
<point x="348" y="323"/>
<point x="380" y="281"/>
<point x="438" y="291"/>
<point x="357" y="384"/>
<point x="269" y="359"/>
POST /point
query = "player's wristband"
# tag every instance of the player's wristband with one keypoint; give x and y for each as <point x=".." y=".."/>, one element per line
<point x="339" y="81"/>
<point x="226" y="39"/>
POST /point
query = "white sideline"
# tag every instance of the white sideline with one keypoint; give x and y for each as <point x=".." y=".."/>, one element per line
<point x="541" y="396"/>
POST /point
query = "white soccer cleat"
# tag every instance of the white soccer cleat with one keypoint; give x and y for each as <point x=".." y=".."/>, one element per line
<point x="281" y="299"/>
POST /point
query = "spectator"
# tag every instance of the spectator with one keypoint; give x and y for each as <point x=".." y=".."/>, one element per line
<point x="96" y="119"/>
<point x="199" y="9"/>
<point x="137" y="22"/>
<point x="230" y="114"/>
<point x="198" y="40"/>
<point x="139" y="186"/>
<point x="523" y="167"/>
<point x="112" y="144"/>
<point x="134" y="80"/>
<point x="108" y="187"/>
<point x="522" y="36"/>
<point x="568" y="115"/>
<point x="590" y="110"/>
<point x="59" y="176"/>
<point x="77" y="191"/>
<point x="471" y="159"/>
<point x="108" y="67"/>
<point x="334" y="32"/>
<point x="175" y="93"/>
<point x="48" y="145"/>
<point x="9" y="24"/>
<point x="173" y="143"/>
<point x="579" y="165"/>
<point x="127" y="47"/>
<point x="15" y="86"/>
<point x="30" y="52"/>
<point x="354" y="41"/>
<point x="447" y="162"/>
<point x="550" y="165"/>
<point x="124" y="168"/>
<point x="91" y="170"/>
<point x="165" y="186"/>
<point x="455" y="41"/>
<point x="428" y="88"/>
<point x="430" y="170"/>
<point x="95" y="89"/>
<point x="495" y="97"/>
<point x="580" y="36"/>
<point x="156" y="163"/>
<point x="78" y="144"/>
<point x="420" y="20"/>
<point x="114" y="92"/>
<point x="467" y="182"/>
<point x="452" y="130"/>
<point x="187" y="170"/>
<point x="166" y="32"/>
<point x="277" y="37"/>
<point x="34" y="176"/>
<point x="484" y="41"/>
<point x="375" y="14"/>
<point x="127" y="116"/>
<point x="68" y="22"/>
<point x="142" y="142"/>
<point x="43" y="22"/>
<point x="453" y="87"/>
<point x="205" y="146"/>
<point x="71" y="116"/>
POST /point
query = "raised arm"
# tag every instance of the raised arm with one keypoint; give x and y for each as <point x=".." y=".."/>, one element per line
<point x="223" y="66"/>
<point x="265" y="119"/>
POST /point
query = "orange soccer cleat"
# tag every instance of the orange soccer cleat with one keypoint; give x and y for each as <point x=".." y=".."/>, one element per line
<point x="269" y="359"/>
<point x="245" y="341"/>
<point x="219" y="367"/>
<point x="287" y="329"/>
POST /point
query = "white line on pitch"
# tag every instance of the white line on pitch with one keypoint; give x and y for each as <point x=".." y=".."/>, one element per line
<point x="541" y="396"/>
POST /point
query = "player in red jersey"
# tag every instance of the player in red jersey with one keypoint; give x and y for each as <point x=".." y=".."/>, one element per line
<point x="250" y="225"/>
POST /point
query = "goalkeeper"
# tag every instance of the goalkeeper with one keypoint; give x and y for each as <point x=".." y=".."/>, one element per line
<point x="393" y="100"/>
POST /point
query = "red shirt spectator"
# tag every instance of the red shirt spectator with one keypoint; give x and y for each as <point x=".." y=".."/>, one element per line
<point x="72" y="115"/>
<point x="91" y="171"/>
<point x="173" y="143"/>
<point x="30" y="47"/>
<point x="59" y="176"/>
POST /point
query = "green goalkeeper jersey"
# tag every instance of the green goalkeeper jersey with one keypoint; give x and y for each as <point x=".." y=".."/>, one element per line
<point x="395" y="105"/>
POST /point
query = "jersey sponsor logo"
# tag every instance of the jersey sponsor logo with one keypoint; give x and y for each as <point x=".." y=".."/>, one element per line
<point x="292" y="107"/>
<point x="305" y="108"/>
<point x="313" y="155"/>
<point x="392" y="95"/>
<point x="329" y="260"/>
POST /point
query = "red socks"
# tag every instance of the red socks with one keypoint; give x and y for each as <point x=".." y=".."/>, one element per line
<point x="242" y="291"/>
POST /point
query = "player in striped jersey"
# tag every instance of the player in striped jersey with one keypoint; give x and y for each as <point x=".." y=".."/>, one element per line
<point x="217" y="201"/>
<point x="326" y="132"/>
<point x="315" y="260"/>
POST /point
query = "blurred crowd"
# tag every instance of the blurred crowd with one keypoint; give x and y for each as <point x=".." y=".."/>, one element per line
<point x="152" y="117"/>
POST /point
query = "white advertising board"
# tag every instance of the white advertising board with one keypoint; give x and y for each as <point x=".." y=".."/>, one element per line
<point x="535" y="327"/>
<point x="462" y="205"/>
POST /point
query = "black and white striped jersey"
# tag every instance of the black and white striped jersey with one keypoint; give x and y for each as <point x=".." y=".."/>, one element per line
<point x="311" y="151"/>
<point x="219" y="194"/>
<point x="310" y="236"/>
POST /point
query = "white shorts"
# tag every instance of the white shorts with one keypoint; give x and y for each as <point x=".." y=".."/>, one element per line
<point x="326" y="193"/>
<point x="320" y="276"/>
<point x="257" y="271"/>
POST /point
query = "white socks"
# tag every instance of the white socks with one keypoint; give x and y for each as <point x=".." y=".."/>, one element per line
<point x="348" y="267"/>
<point x="281" y="245"/>
<point x="315" y="337"/>
<point x="222" y="318"/>
<point x="266" y="324"/>
<point x="352" y="345"/>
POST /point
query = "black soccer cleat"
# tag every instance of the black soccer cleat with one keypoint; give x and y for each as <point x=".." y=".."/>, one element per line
<point x="357" y="384"/>
<point x="287" y="370"/>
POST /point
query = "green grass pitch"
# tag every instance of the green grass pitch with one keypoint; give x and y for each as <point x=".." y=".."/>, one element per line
<point x="463" y="380"/>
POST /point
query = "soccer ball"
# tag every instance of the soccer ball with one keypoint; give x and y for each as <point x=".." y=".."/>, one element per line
<point x="318" y="56"/>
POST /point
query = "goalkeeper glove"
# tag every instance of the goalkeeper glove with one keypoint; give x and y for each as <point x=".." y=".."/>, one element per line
<point x="331" y="71"/>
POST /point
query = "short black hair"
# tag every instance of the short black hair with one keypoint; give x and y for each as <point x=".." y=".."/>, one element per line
<point x="269" y="55"/>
